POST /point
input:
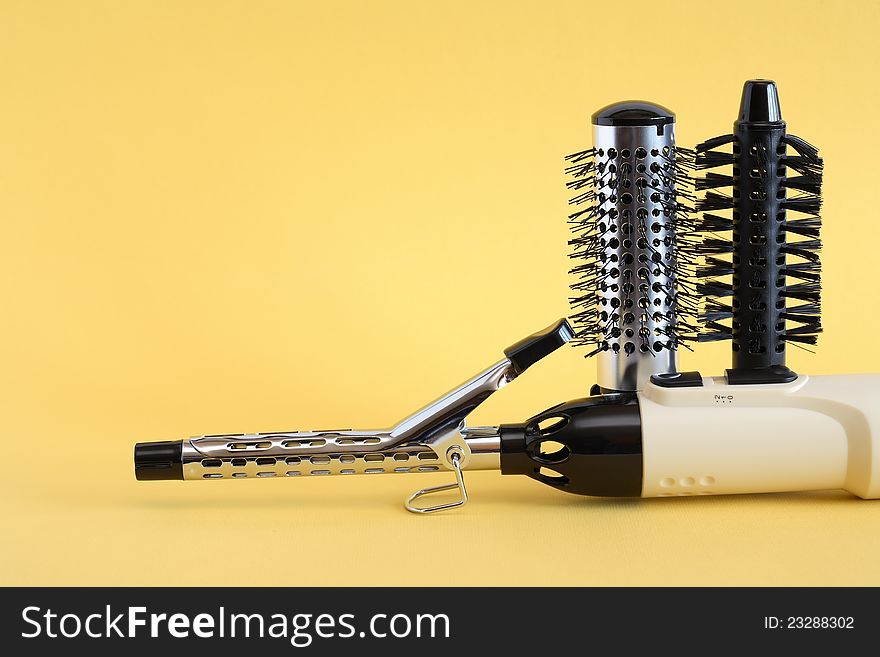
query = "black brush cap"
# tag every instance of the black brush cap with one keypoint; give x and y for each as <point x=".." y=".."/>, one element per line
<point x="760" y="102"/>
<point x="633" y="112"/>
<point x="158" y="461"/>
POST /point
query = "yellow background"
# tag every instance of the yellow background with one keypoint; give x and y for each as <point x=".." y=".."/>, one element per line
<point x="254" y="216"/>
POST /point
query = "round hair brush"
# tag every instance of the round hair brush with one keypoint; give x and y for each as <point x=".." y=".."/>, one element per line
<point x="629" y="207"/>
<point x="761" y="269"/>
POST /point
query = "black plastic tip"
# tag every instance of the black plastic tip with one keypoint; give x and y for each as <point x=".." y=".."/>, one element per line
<point x="760" y="102"/>
<point x="633" y="113"/>
<point x="760" y="375"/>
<point x="158" y="461"/>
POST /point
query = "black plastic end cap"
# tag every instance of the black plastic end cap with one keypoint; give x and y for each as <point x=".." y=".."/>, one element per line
<point x="678" y="380"/>
<point x="530" y="350"/>
<point x="158" y="461"/>
<point x="760" y="102"/>
<point x="633" y="113"/>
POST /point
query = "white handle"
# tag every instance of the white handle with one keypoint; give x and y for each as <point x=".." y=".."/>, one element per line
<point x="815" y="433"/>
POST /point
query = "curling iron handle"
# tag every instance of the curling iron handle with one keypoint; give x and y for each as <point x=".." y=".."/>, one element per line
<point x="816" y="433"/>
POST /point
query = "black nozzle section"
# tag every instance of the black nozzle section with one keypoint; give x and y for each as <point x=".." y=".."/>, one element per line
<point x="633" y="113"/>
<point x="760" y="102"/>
<point x="589" y="446"/>
<point x="158" y="461"/>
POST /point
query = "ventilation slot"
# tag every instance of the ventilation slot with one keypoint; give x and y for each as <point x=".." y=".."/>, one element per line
<point x="358" y="441"/>
<point x="263" y="444"/>
<point x="304" y="443"/>
<point x="551" y="451"/>
<point x="549" y="476"/>
<point x="551" y="424"/>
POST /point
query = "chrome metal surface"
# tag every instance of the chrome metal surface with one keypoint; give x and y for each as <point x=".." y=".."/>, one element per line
<point x="636" y="202"/>
<point x="277" y="460"/>
<point x="451" y="409"/>
<point x="454" y="459"/>
<point x="433" y="438"/>
<point x="407" y="447"/>
<point x="421" y="442"/>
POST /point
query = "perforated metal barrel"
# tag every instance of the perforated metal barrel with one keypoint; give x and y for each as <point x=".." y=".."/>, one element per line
<point x="635" y="184"/>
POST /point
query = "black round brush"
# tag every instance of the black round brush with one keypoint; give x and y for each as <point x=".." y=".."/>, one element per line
<point x="765" y="278"/>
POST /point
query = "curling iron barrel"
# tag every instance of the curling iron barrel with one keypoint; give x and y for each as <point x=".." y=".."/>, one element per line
<point x="294" y="454"/>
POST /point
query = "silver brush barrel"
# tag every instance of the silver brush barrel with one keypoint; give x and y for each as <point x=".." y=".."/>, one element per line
<point x="628" y="311"/>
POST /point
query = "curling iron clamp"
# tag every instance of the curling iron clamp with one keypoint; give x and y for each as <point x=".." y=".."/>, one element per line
<point x="681" y="435"/>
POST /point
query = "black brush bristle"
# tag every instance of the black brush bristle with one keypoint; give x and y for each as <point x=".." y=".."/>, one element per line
<point x="810" y="226"/>
<point x="714" y="142"/>
<point x="809" y="292"/>
<point x="718" y="289"/>
<point x="713" y="181"/>
<point x="802" y="148"/>
<point x="804" y="166"/>
<point x="712" y="159"/>
<point x="634" y="177"/>
<point x="713" y="223"/>
<point x="715" y="331"/>
<point x="808" y="184"/>
<point x="715" y="267"/>
<point x="806" y="203"/>
<point x="714" y="201"/>
<point x="715" y="246"/>
<point x="715" y="312"/>
<point x="806" y="249"/>
<point x="581" y="155"/>
<point x="804" y="271"/>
